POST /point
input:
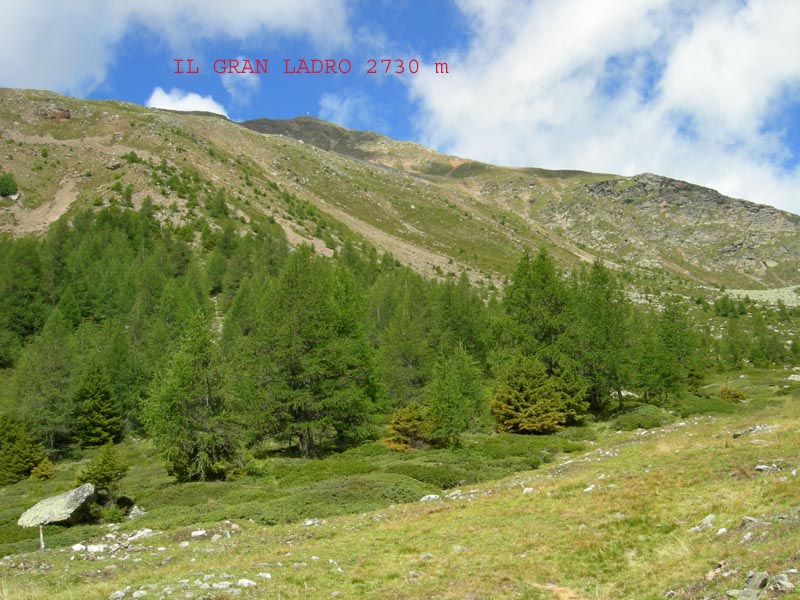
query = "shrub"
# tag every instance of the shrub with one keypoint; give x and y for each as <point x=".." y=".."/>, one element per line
<point x="645" y="416"/>
<point x="528" y="400"/>
<point x="8" y="185"/>
<point x="44" y="470"/>
<point x="700" y="405"/>
<point x="442" y="476"/>
<point x="104" y="470"/>
<point x="296" y="472"/>
<point x="256" y="468"/>
<point x="368" y="450"/>
<point x="730" y="394"/>
<point x="114" y="514"/>
<point x="131" y="157"/>
<point x="578" y="434"/>
<point x="507" y="445"/>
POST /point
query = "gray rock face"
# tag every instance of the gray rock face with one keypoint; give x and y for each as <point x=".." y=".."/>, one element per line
<point x="57" y="509"/>
<point x="781" y="583"/>
<point x="708" y="521"/>
<point x="756" y="580"/>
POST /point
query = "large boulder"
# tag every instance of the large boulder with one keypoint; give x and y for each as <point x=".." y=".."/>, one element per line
<point x="62" y="509"/>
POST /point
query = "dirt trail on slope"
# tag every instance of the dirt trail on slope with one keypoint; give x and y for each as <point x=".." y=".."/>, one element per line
<point x="101" y="143"/>
<point x="40" y="218"/>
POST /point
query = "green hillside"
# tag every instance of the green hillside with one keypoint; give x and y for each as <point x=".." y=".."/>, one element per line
<point x="611" y="521"/>
<point x="273" y="339"/>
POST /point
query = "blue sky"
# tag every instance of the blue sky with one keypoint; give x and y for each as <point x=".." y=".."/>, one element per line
<point x="707" y="92"/>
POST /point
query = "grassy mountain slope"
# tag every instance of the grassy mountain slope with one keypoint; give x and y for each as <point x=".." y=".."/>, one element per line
<point x="641" y="221"/>
<point x="325" y="184"/>
<point x="612" y="522"/>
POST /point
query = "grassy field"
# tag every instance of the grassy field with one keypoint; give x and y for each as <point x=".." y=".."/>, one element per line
<point x="609" y="520"/>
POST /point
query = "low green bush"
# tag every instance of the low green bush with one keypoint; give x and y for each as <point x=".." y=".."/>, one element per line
<point x="343" y="495"/>
<point x="645" y="416"/>
<point x="292" y="472"/>
<point x="578" y="434"/>
<point x="8" y="185"/>
<point x="505" y="445"/>
<point x="368" y="450"/>
<point x="441" y="476"/>
<point x="697" y="405"/>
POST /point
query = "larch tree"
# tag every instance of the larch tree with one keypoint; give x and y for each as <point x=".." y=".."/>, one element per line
<point x="308" y="372"/>
<point x="97" y="415"/>
<point x="454" y="396"/>
<point x="187" y="410"/>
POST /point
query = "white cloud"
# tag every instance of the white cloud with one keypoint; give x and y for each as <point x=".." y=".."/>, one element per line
<point x="350" y="108"/>
<point x="68" y="46"/>
<point x="666" y="86"/>
<point x="177" y="99"/>
<point x="241" y="86"/>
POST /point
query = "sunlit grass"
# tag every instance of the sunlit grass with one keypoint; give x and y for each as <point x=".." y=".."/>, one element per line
<point x="627" y="537"/>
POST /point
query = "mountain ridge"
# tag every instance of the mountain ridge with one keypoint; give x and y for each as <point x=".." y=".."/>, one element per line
<point x="441" y="214"/>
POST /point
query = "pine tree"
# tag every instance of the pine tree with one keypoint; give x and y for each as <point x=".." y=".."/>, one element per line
<point x="528" y="400"/>
<point x="21" y="309"/>
<point x="69" y="307"/>
<point x="735" y="344"/>
<point x="97" y="415"/>
<point x="460" y="319"/>
<point x="187" y="410"/>
<point x="767" y="348"/>
<point x="402" y="312"/>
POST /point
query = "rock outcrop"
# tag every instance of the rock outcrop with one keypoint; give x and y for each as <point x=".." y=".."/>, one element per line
<point x="62" y="509"/>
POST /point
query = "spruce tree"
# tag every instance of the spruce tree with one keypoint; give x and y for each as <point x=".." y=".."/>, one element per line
<point x="20" y="452"/>
<point x="529" y="400"/>
<point x="97" y="416"/>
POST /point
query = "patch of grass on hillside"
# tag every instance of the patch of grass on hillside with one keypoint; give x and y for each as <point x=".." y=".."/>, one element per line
<point x="342" y="495"/>
<point x="471" y="169"/>
<point x="281" y="490"/>
<point x="645" y="416"/>
<point x="613" y="523"/>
